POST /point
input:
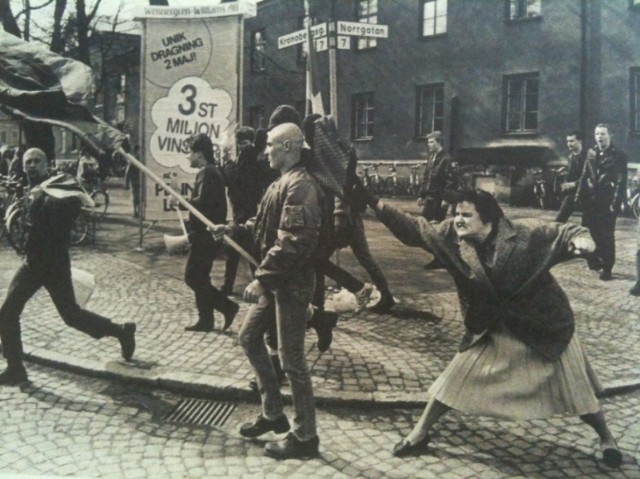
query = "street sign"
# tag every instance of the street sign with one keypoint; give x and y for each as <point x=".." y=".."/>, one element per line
<point x="363" y="29"/>
<point x="300" y="36"/>
<point x="344" y="42"/>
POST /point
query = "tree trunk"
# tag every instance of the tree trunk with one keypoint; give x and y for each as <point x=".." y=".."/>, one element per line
<point x="8" y="20"/>
<point x="57" y="41"/>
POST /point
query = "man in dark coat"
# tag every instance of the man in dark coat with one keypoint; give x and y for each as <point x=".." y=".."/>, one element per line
<point x="577" y="155"/>
<point x="47" y="264"/>
<point x="601" y="191"/>
<point x="208" y="198"/>
<point x="439" y="181"/>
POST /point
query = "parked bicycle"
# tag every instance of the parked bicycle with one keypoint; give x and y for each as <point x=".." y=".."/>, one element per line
<point x="631" y="204"/>
<point x="540" y="189"/>
<point x="97" y="190"/>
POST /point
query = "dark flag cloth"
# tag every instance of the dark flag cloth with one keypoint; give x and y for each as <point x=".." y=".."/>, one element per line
<point x="65" y="186"/>
<point x="39" y="85"/>
<point x="330" y="156"/>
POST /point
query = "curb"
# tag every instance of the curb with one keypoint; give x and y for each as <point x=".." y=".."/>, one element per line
<point x="201" y="386"/>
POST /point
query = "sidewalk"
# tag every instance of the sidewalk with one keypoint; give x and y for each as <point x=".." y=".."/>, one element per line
<point x="379" y="359"/>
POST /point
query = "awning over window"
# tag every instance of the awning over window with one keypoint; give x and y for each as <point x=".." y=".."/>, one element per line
<point x="510" y="151"/>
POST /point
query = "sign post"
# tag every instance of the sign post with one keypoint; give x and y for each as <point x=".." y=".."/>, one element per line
<point x="332" y="36"/>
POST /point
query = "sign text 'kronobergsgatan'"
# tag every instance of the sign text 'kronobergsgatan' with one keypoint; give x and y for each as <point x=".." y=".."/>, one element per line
<point x="300" y="36"/>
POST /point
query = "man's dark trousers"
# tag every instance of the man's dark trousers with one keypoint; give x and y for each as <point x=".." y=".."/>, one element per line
<point x="198" y="276"/>
<point x="55" y="275"/>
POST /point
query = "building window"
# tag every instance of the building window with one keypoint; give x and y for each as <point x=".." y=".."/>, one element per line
<point x="521" y="103"/>
<point x="362" y="120"/>
<point x="367" y="13"/>
<point x="429" y="109"/>
<point x="256" y="117"/>
<point x="635" y="100"/>
<point x="258" y="58"/>
<point x="434" y="17"/>
<point x="521" y="9"/>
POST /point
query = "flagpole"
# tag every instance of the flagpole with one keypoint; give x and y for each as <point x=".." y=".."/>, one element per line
<point x="175" y="195"/>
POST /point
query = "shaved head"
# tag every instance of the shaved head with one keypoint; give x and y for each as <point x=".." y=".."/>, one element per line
<point x="284" y="145"/>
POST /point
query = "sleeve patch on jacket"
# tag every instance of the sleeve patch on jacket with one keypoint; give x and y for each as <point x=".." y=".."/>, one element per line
<point x="293" y="216"/>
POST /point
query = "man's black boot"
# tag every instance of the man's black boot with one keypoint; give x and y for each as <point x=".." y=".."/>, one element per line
<point x="293" y="448"/>
<point x="229" y="314"/>
<point x="202" y="326"/>
<point x="262" y="425"/>
<point x="13" y="375"/>
<point x="324" y="322"/>
<point x="127" y="338"/>
<point x="384" y="305"/>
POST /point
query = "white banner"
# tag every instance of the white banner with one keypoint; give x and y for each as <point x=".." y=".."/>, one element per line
<point x="191" y="72"/>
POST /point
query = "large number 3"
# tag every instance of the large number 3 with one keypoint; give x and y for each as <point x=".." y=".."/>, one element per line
<point x="191" y="104"/>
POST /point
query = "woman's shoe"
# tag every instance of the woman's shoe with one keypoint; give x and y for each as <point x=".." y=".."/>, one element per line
<point x="611" y="456"/>
<point x="404" y="448"/>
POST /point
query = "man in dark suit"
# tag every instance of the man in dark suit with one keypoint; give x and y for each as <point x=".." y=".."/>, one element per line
<point x="577" y="155"/>
<point x="601" y="191"/>
<point x="440" y="179"/>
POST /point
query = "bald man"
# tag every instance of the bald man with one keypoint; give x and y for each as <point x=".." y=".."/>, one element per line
<point x="47" y="264"/>
<point x="287" y="230"/>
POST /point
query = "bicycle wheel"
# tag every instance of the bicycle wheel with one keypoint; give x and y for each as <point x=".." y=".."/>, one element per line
<point x="101" y="200"/>
<point x="80" y="228"/>
<point x="635" y="206"/>
<point x="16" y="232"/>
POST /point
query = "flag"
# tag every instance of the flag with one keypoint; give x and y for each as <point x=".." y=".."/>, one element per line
<point x="330" y="157"/>
<point x="65" y="186"/>
<point x="41" y="86"/>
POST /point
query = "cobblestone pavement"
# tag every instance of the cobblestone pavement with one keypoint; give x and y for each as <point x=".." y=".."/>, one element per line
<point x="66" y="425"/>
<point x="374" y="360"/>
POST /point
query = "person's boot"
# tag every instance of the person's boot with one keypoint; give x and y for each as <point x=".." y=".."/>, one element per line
<point x="127" y="338"/>
<point x="384" y="305"/>
<point x="13" y="375"/>
<point x="204" y="325"/>
<point x="231" y="309"/>
<point x="324" y="322"/>
<point x="292" y="448"/>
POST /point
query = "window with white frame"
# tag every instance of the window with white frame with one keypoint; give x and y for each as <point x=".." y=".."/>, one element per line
<point x="521" y="9"/>
<point x="258" y="58"/>
<point x="521" y="103"/>
<point x="635" y="100"/>
<point x="362" y="116"/>
<point x="429" y="109"/>
<point x="367" y="12"/>
<point x="434" y="17"/>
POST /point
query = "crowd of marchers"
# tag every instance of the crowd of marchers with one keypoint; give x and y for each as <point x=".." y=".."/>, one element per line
<point x="519" y="358"/>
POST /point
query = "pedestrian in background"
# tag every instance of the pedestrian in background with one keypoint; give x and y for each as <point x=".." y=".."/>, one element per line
<point x="208" y="197"/>
<point x="287" y="229"/>
<point x="519" y="358"/>
<point x="349" y="231"/>
<point x="244" y="188"/>
<point x="601" y="191"/>
<point x="577" y="155"/>
<point x="439" y="181"/>
<point x="47" y="264"/>
<point x="132" y="181"/>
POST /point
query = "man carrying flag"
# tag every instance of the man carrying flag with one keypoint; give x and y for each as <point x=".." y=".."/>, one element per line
<point x="54" y="204"/>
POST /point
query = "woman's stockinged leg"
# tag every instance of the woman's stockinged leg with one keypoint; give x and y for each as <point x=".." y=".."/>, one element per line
<point x="433" y="411"/>
<point x="611" y="454"/>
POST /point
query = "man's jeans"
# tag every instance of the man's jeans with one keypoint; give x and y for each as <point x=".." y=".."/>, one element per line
<point x="292" y="309"/>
